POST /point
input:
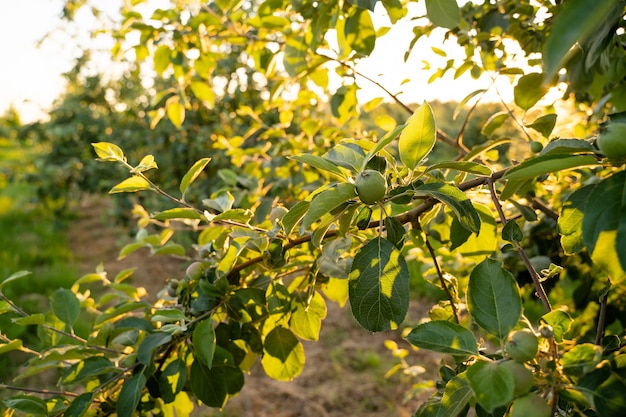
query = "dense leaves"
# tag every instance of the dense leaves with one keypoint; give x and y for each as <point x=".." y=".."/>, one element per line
<point x="253" y="143"/>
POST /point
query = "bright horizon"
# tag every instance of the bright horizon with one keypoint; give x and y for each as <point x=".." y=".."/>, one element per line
<point x="31" y="79"/>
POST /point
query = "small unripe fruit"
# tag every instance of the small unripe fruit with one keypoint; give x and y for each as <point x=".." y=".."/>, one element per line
<point x="522" y="345"/>
<point x="612" y="141"/>
<point x="278" y="213"/>
<point x="530" y="405"/>
<point x="195" y="270"/>
<point x="522" y="377"/>
<point x="535" y="147"/>
<point x="546" y="331"/>
<point x="371" y="186"/>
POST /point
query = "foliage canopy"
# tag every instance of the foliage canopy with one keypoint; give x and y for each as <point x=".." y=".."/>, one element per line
<point x="519" y="231"/>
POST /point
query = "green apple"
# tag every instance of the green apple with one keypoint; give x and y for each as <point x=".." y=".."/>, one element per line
<point x="612" y="141"/>
<point x="536" y="147"/>
<point x="522" y="345"/>
<point x="195" y="270"/>
<point x="530" y="405"/>
<point x="522" y="376"/>
<point x="371" y="186"/>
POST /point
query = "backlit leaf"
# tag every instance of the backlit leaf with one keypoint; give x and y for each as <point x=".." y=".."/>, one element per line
<point x="379" y="286"/>
<point x="456" y="200"/>
<point x="443" y="13"/>
<point x="131" y="185"/>
<point x="283" y="357"/>
<point x="546" y="164"/>
<point x="604" y="225"/>
<point x="108" y="151"/>
<point x="193" y="173"/>
<point x="418" y="137"/>
<point x="326" y="201"/>
<point x="529" y="90"/>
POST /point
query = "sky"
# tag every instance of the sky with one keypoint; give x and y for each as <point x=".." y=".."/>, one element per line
<point x="31" y="76"/>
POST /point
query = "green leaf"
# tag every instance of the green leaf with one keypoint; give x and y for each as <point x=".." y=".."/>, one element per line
<point x="608" y="397"/>
<point x="203" y="341"/>
<point x="321" y="164"/>
<point x="65" y="306"/>
<point x="131" y="185"/>
<point x="326" y="201"/>
<point x="14" y="277"/>
<point x="546" y="164"/>
<point x="395" y="231"/>
<point x="203" y="91"/>
<point x="493" y="385"/>
<point x="455" y="199"/>
<point x="238" y="215"/>
<point x="583" y="15"/>
<point x="295" y="55"/>
<point x="306" y="318"/>
<point x="570" y="146"/>
<point x="464" y="166"/>
<point x="494" y="122"/>
<point x="475" y="246"/>
<point x="193" y="173"/>
<point x="570" y="222"/>
<point x="418" y="137"/>
<point x="456" y="395"/>
<point x="162" y="58"/>
<point x="443" y="13"/>
<point x="493" y="298"/>
<point x="108" y="152"/>
<point x="604" y="225"/>
<point x="544" y="124"/>
<point x="379" y="286"/>
<point x="146" y="164"/>
<point x="168" y="315"/>
<point x="283" y="354"/>
<point x="178" y="213"/>
<point x="295" y="214"/>
<point x="348" y="155"/>
<point x="581" y="359"/>
<point x="214" y="386"/>
<point x="560" y="322"/>
<point x="37" y="318"/>
<point x="359" y="31"/>
<point x="511" y="232"/>
<point x="12" y="345"/>
<point x="443" y="337"/>
<point x="130" y="395"/>
<point x="529" y="90"/>
<point x="80" y="405"/>
<point x="88" y="368"/>
<point x="176" y="112"/>
<point x="146" y="350"/>
<point x="27" y="404"/>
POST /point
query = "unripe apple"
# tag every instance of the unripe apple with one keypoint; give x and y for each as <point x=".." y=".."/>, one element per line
<point x="371" y="186"/>
<point x="195" y="270"/>
<point x="530" y="405"/>
<point x="522" y="376"/>
<point x="612" y="141"/>
<point x="536" y="147"/>
<point x="522" y="345"/>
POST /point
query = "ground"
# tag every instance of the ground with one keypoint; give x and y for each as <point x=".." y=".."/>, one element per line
<point x="345" y="370"/>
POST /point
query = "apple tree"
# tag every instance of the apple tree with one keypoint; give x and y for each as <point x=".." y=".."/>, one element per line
<point x="523" y="235"/>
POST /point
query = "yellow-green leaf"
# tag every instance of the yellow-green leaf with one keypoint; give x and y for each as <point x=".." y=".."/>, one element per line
<point x="130" y="185"/>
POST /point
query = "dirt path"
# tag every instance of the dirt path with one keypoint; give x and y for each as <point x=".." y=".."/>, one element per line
<point x="345" y="370"/>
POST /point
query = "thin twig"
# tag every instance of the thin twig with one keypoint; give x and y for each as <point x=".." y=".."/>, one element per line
<point x="442" y="279"/>
<point x="602" y="313"/>
<point x="522" y="253"/>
